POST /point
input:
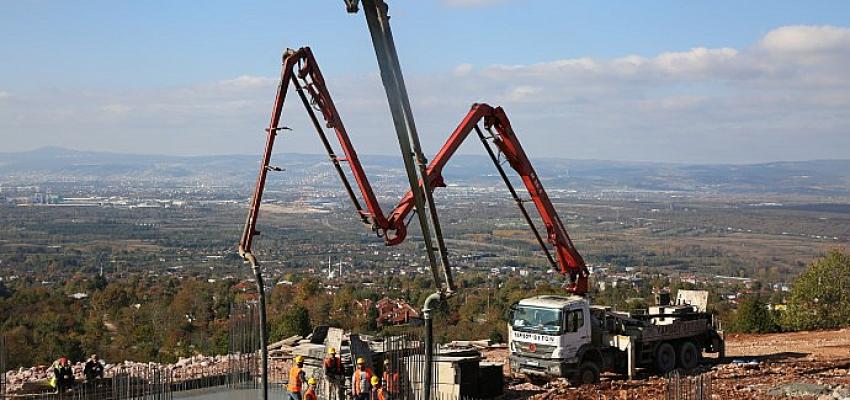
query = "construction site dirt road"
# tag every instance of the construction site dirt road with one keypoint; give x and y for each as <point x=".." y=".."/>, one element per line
<point x="802" y="365"/>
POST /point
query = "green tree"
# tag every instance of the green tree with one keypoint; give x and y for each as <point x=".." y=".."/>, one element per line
<point x="754" y="317"/>
<point x="820" y="297"/>
<point x="295" y="321"/>
<point x="496" y="336"/>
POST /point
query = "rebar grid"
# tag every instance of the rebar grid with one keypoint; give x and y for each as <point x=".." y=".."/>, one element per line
<point x="680" y="386"/>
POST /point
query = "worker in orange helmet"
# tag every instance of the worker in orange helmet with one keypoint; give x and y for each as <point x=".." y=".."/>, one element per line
<point x="334" y="374"/>
<point x="377" y="392"/>
<point x="296" y="378"/>
<point x="310" y="394"/>
<point x="391" y="380"/>
<point x="361" y="381"/>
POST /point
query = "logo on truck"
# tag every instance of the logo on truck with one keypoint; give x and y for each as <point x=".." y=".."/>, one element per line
<point x="535" y="338"/>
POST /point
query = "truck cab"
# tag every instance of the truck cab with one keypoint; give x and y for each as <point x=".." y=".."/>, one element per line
<point x="564" y="336"/>
<point x="549" y="334"/>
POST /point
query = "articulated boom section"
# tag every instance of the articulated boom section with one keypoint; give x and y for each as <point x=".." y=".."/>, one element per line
<point x="301" y="70"/>
<point x="500" y="132"/>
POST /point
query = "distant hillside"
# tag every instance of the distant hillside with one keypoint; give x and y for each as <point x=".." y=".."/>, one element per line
<point x="827" y="177"/>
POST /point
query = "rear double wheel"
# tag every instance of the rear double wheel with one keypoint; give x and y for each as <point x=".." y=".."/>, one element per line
<point x="665" y="358"/>
<point x="688" y="355"/>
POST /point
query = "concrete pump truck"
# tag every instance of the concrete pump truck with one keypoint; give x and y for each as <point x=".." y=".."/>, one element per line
<point x="549" y="336"/>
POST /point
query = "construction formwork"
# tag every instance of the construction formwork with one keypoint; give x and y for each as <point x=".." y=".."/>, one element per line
<point x="243" y="356"/>
<point x="142" y="382"/>
<point x="399" y="362"/>
<point x="680" y="386"/>
<point x="3" y="367"/>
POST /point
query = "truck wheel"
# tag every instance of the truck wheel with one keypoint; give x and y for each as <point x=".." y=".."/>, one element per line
<point x="688" y="355"/>
<point x="665" y="358"/>
<point x="588" y="373"/>
<point x="537" y="380"/>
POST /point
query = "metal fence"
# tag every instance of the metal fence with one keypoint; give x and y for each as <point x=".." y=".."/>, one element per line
<point x="243" y="358"/>
<point x="687" y="387"/>
<point x="402" y="369"/>
<point x="147" y="382"/>
<point x="142" y="382"/>
<point x="3" y="366"/>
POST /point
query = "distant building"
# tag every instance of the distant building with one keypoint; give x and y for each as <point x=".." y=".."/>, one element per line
<point x="394" y="312"/>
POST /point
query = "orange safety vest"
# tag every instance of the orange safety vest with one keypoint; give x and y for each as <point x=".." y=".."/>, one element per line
<point x="295" y="382"/>
<point x="355" y="381"/>
<point x="391" y="381"/>
<point x="378" y="394"/>
<point x="333" y="365"/>
<point x="310" y="395"/>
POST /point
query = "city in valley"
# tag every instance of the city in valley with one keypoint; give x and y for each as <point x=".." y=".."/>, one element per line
<point x="146" y="269"/>
<point x="424" y="200"/>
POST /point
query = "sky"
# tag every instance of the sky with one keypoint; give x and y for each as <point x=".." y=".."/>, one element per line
<point x="673" y="81"/>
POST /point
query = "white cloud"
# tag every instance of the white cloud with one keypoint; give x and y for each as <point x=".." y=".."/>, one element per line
<point x="785" y="96"/>
<point x="246" y="82"/>
<point x="463" y="69"/>
<point x="116" y="109"/>
<point x="523" y="92"/>
<point x="803" y="39"/>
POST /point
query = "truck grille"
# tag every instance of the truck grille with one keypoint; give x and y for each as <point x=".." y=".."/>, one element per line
<point x="540" y="349"/>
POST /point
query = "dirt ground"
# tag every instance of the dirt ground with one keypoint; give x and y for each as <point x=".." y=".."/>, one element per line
<point x="823" y="344"/>
<point x="800" y="365"/>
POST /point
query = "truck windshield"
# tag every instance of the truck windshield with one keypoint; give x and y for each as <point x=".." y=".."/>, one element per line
<point x="538" y="320"/>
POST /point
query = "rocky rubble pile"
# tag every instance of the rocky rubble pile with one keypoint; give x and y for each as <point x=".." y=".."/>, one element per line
<point x="792" y="378"/>
<point x="184" y="369"/>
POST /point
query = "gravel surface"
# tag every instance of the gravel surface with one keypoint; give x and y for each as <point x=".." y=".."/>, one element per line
<point x="771" y="366"/>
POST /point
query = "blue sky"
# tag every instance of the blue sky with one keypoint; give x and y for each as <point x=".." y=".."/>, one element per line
<point x="110" y="72"/>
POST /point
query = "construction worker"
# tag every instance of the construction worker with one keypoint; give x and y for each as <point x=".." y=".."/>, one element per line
<point x="311" y="389"/>
<point x="377" y="392"/>
<point x="296" y="378"/>
<point x="361" y="381"/>
<point x="334" y="374"/>
<point x="391" y="380"/>
<point x="93" y="369"/>
<point x="63" y="375"/>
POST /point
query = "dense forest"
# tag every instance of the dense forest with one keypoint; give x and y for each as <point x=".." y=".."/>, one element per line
<point x="161" y="319"/>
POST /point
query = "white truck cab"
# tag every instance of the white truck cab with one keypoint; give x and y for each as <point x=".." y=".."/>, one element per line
<point x="548" y="334"/>
<point x="564" y="336"/>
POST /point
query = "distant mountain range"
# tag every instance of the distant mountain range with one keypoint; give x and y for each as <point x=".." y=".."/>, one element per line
<point x="49" y="164"/>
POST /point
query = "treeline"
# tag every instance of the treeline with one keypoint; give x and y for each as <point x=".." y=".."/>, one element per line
<point x="161" y="319"/>
<point x="819" y="299"/>
<point x="134" y="319"/>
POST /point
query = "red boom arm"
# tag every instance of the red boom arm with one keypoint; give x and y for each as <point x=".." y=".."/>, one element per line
<point x="495" y="121"/>
<point x="300" y="69"/>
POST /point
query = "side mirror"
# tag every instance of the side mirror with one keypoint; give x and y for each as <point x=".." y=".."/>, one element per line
<point x="510" y="313"/>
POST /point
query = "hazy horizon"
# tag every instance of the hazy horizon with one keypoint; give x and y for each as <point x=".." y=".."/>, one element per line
<point x="318" y="154"/>
<point x="708" y="82"/>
